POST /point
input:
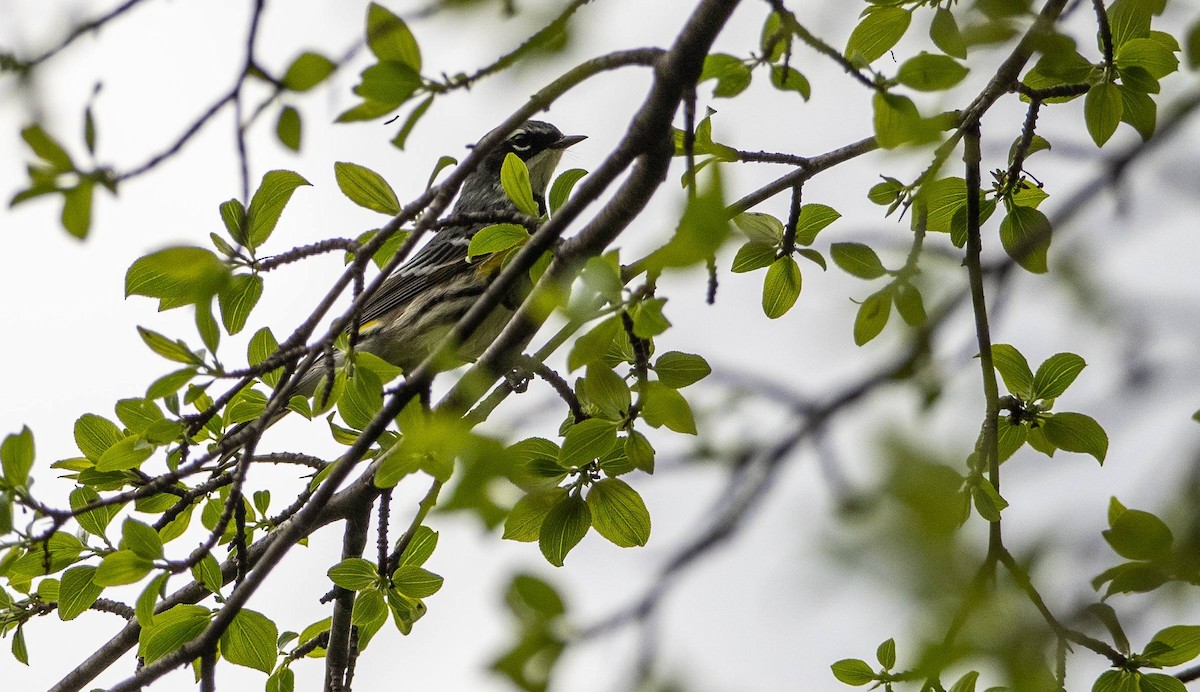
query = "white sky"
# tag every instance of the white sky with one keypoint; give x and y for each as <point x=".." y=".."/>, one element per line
<point x="771" y="611"/>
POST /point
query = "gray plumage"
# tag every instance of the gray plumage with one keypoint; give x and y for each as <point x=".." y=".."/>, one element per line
<point x="417" y="306"/>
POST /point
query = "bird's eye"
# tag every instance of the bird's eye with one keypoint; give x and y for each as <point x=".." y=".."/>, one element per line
<point x="519" y="141"/>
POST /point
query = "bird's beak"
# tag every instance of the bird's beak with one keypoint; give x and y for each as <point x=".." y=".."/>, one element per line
<point x="568" y="140"/>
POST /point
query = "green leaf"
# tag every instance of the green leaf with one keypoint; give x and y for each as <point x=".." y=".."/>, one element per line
<point x="813" y="256"/>
<point x="785" y="78"/>
<point x="129" y="453"/>
<point x="95" y="434"/>
<point x="389" y="38"/>
<point x="1149" y="54"/>
<point x="442" y="164"/>
<point x="909" y="304"/>
<point x="648" y="318"/>
<point x="593" y="345"/>
<point x="369" y="109"/>
<point x="48" y="149"/>
<point x="812" y="220"/>
<point x="282" y="680"/>
<point x="587" y="441"/>
<point x="262" y="345"/>
<point x="1183" y="642"/>
<point x="524" y="522"/>
<point x="781" y="287"/>
<point x="267" y="205"/>
<point x="19" y="649"/>
<point x="603" y="275"/>
<point x="77" y="593"/>
<point x="942" y="199"/>
<point x="896" y="120"/>
<point x="208" y="573"/>
<point x="1014" y="370"/>
<point x="362" y="399"/>
<point x="63" y="550"/>
<point x="872" y="316"/>
<point x="496" y="238"/>
<point x="1076" y="432"/>
<point x="354" y="574"/>
<point x="288" y="128"/>
<point x="564" y="526"/>
<point x="1140" y="111"/>
<point x="237" y="299"/>
<point x="1102" y="110"/>
<point x="172" y="629"/>
<point x="877" y="33"/>
<point x="1137" y="79"/>
<point x="1108" y="616"/>
<point x="420" y="547"/>
<point x="146" y="602"/>
<point x="988" y="502"/>
<point x="414" y="116"/>
<point x="233" y="215"/>
<point x="676" y="369"/>
<point x="928" y="72"/>
<point x="618" y="513"/>
<point x="1128" y="19"/>
<point x="752" y="256"/>
<point x="662" y="405"/>
<point x="1055" y="375"/>
<point x="1118" y="681"/>
<point x="206" y="326"/>
<point x="366" y="188"/>
<point x="560" y="191"/>
<point x="94" y="521"/>
<point x="702" y="230"/>
<point x="16" y="457"/>
<point x="77" y="209"/>
<point x="858" y="260"/>
<point x="1038" y="143"/>
<point x="1138" y="535"/>
<point x="760" y="228"/>
<point x="416" y="582"/>
<point x="382" y="369"/>
<point x="1131" y="577"/>
<point x="885" y="193"/>
<point x="141" y="539"/>
<point x="177" y="276"/>
<point x="732" y="75"/>
<point x="946" y="35"/>
<point x="774" y="40"/>
<point x="306" y="71"/>
<point x="853" y="671"/>
<point x="886" y="654"/>
<point x="514" y="177"/>
<point x="639" y="451"/>
<point x="171" y="350"/>
<point x="122" y="567"/>
<point x="1025" y="234"/>
<point x="966" y="683"/>
<point x="528" y="595"/>
<point x="606" y="390"/>
<point x="1159" y="682"/>
<point x="250" y="641"/>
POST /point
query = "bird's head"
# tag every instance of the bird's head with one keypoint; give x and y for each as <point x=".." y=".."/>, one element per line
<point x="539" y="144"/>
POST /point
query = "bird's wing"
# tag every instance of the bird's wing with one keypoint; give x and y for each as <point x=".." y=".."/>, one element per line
<point x="433" y="265"/>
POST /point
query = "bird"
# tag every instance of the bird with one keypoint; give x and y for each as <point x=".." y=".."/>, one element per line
<point x="414" y="309"/>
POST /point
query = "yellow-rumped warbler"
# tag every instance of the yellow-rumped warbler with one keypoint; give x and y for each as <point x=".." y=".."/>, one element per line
<point x="417" y="306"/>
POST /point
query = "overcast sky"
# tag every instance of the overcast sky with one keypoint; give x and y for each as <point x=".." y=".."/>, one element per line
<point x="795" y="592"/>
